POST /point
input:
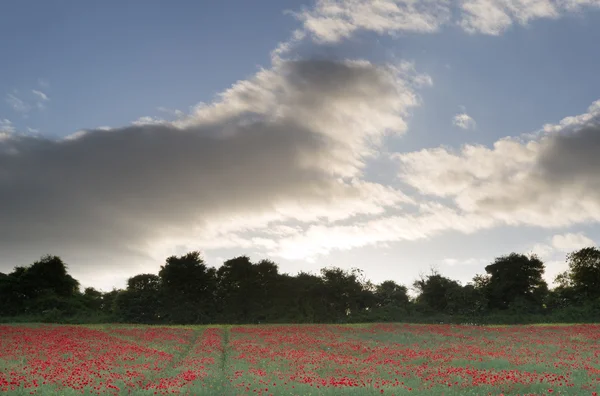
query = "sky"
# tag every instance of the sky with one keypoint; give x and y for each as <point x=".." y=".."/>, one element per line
<point x="394" y="136"/>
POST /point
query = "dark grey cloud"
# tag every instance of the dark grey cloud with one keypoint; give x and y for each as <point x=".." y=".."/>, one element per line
<point x="573" y="158"/>
<point x="269" y="143"/>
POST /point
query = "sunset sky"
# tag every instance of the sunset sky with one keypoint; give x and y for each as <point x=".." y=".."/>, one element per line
<point x="389" y="135"/>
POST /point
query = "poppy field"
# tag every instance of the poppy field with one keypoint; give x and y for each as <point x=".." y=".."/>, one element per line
<point x="375" y="359"/>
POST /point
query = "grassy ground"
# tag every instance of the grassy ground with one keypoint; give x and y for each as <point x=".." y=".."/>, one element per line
<point x="390" y="359"/>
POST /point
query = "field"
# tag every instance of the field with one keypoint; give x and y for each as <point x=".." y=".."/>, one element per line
<point x="389" y="359"/>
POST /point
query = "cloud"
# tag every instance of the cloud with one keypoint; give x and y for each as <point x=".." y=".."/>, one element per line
<point x="40" y="95"/>
<point x="464" y="121"/>
<point x="553" y="252"/>
<point x="17" y="104"/>
<point x="351" y="126"/>
<point x="451" y="262"/>
<point x="571" y="241"/>
<point x="149" y="121"/>
<point x="516" y="182"/>
<point x="333" y="20"/>
<point x="288" y="144"/>
<point x="562" y="243"/>
<point x="543" y="250"/>
<point x="430" y="220"/>
<point x="175" y="113"/>
<point x="330" y="21"/>
<point x="548" y="181"/>
<point x="495" y="16"/>
<point x="6" y="126"/>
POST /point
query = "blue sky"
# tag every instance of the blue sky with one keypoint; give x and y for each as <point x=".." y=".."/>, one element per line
<point x="412" y="131"/>
<point x="114" y="62"/>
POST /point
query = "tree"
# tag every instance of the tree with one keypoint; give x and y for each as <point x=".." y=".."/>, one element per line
<point x="11" y="300"/>
<point x="236" y="291"/>
<point x="435" y="291"/>
<point x="515" y="278"/>
<point x="47" y="274"/>
<point x="467" y="300"/>
<point x="302" y="298"/>
<point x="389" y="293"/>
<point x="140" y="303"/>
<point x="267" y="284"/>
<point x="188" y="288"/>
<point x="583" y="275"/>
<point x="92" y="299"/>
<point x="34" y="288"/>
<point x="144" y="283"/>
<point x="108" y="301"/>
<point x="343" y="292"/>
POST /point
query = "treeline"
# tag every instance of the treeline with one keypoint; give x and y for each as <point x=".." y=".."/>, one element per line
<point x="187" y="291"/>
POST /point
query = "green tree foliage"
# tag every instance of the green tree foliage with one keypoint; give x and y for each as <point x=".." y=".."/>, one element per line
<point x="187" y="291"/>
<point x="301" y="298"/>
<point x="437" y="292"/>
<point x="11" y="300"/>
<point x="141" y="302"/>
<point x="391" y="294"/>
<point x="49" y="274"/>
<point x="343" y="292"/>
<point x="237" y="293"/>
<point x="92" y="299"/>
<point x="583" y="276"/>
<point x="41" y="286"/>
<point x="514" y="280"/>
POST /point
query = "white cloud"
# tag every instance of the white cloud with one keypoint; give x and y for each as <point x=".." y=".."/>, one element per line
<point x="17" y="104"/>
<point x="550" y="181"/>
<point x="333" y="20"/>
<point x="175" y="113"/>
<point x="451" y="262"/>
<point x="464" y="121"/>
<point x="330" y="21"/>
<point x="495" y="16"/>
<point x="430" y="221"/>
<point x="573" y="123"/>
<point x="149" y="121"/>
<point x="553" y="252"/>
<point x="40" y="95"/>
<point x="560" y="244"/>
<point x="577" y="4"/>
<point x="571" y="242"/>
<point x="6" y="126"/>
<point x="543" y="250"/>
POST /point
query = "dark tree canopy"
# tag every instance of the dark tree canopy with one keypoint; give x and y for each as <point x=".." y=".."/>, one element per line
<point x="584" y="272"/>
<point x="389" y="293"/>
<point x="435" y="291"/>
<point x="187" y="291"/>
<point x="188" y="288"/>
<point x="144" y="283"/>
<point x="515" y="278"/>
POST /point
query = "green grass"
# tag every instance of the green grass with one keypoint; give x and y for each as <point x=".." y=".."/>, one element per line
<point x="277" y="357"/>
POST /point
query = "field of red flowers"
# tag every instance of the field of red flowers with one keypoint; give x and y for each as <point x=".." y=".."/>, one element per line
<point x="389" y="359"/>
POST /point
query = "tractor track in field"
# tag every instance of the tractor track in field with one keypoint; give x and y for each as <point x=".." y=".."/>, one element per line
<point x="179" y="357"/>
<point x="224" y="347"/>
